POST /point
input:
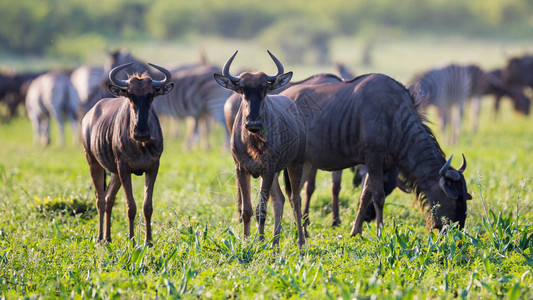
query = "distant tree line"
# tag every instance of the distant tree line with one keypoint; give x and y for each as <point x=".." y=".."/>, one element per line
<point x="33" y="26"/>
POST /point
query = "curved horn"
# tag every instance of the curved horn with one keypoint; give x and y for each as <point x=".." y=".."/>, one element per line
<point x="446" y="166"/>
<point x="165" y="72"/>
<point x="463" y="165"/>
<point x="225" y="70"/>
<point x="278" y="64"/>
<point x="113" y="74"/>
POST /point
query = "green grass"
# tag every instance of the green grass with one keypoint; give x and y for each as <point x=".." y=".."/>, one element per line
<point x="46" y="251"/>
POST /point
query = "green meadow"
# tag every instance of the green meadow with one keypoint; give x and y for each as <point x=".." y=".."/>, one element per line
<point x="48" y="219"/>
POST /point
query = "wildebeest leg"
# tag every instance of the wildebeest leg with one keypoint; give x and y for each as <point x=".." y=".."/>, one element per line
<point x="61" y="126"/>
<point x="261" y="210"/>
<point x="476" y="108"/>
<point x="204" y="127"/>
<point x="497" y="100"/>
<point x="372" y="191"/>
<point x="456" y="130"/>
<point x="278" y="201"/>
<point x="110" y="194"/>
<point x="242" y="179"/>
<point x="98" y="177"/>
<point x="36" y="124"/>
<point x="44" y="126"/>
<point x="309" y="190"/>
<point x="125" y="179"/>
<point x="295" y="177"/>
<point x="336" y="178"/>
<point x="309" y="172"/>
<point x="192" y="132"/>
<point x="149" y="181"/>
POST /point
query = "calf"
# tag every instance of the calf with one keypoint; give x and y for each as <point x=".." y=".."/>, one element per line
<point x="123" y="136"/>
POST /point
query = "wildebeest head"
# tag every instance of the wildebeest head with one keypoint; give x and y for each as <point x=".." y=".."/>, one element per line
<point x="140" y="91"/>
<point x="449" y="198"/>
<point x="253" y="87"/>
<point x="519" y="71"/>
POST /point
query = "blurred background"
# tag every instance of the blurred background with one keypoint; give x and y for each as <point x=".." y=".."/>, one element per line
<point x="368" y="35"/>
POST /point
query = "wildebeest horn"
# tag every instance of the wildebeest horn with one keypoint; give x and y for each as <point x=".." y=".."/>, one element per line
<point x="165" y="72"/>
<point x="447" y="173"/>
<point x="225" y="70"/>
<point x="446" y="166"/>
<point x="278" y="64"/>
<point x="463" y="165"/>
<point x="114" y="72"/>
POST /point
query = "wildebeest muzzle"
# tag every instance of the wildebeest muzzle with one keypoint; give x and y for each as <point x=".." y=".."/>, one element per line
<point x="253" y="125"/>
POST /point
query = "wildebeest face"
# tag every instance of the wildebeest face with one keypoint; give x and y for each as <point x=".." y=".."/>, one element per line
<point x="450" y="196"/>
<point x="140" y="92"/>
<point x="253" y="87"/>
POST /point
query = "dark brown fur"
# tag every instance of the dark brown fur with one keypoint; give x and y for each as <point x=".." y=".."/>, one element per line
<point x="372" y="120"/>
<point x="268" y="136"/>
<point x="123" y="136"/>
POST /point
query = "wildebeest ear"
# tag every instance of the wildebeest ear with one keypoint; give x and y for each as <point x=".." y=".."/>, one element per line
<point x="165" y="89"/>
<point x="281" y="80"/>
<point x="447" y="188"/>
<point x="225" y="82"/>
<point x="117" y="91"/>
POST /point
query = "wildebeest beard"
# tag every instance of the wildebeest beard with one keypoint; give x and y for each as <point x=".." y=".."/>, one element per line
<point x="258" y="145"/>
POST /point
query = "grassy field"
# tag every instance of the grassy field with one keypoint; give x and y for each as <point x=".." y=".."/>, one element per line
<point x="48" y="251"/>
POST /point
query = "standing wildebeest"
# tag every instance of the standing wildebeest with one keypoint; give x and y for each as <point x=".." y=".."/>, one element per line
<point x="372" y="120"/>
<point x="231" y="108"/>
<point x="268" y="136"/>
<point x="451" y="86"/>
<point x="123" y="136"/>
<point x="52" y="95"/>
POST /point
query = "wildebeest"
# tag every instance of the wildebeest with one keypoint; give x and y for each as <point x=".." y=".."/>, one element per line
<point x="373" y="120"/>
<point x="451" y="86"/>
<point x="268" y="136"/>
<point x="123" y="136"/>
<point x="52" y="95"/>
<point x="231" y="108"/>
<point x="116" y="58"/>
<point x="13" y="89"/>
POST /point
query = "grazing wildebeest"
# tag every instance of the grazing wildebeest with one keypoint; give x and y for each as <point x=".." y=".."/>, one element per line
<point x="268" y="136"/>
<point x="373" y="120"/>
<point x="123" y="136"/>
<point x="52" y="95"/>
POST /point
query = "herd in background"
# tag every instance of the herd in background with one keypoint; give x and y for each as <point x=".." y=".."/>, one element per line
<point x="323" y="122"/>
<point x="197" y="98"/>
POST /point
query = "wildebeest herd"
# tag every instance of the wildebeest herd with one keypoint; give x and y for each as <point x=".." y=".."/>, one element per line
<point x="370" y="123"/>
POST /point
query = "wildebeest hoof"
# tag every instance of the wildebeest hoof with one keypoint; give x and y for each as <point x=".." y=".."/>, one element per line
<point x="149" y="244"/>
<point x="336" y="222"/>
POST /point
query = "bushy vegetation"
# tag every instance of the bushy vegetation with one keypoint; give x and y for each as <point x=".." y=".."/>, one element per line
<point x="36" y="26"/>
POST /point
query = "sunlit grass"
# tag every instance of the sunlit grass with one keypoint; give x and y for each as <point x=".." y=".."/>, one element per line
<point x="198" y="248"/>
